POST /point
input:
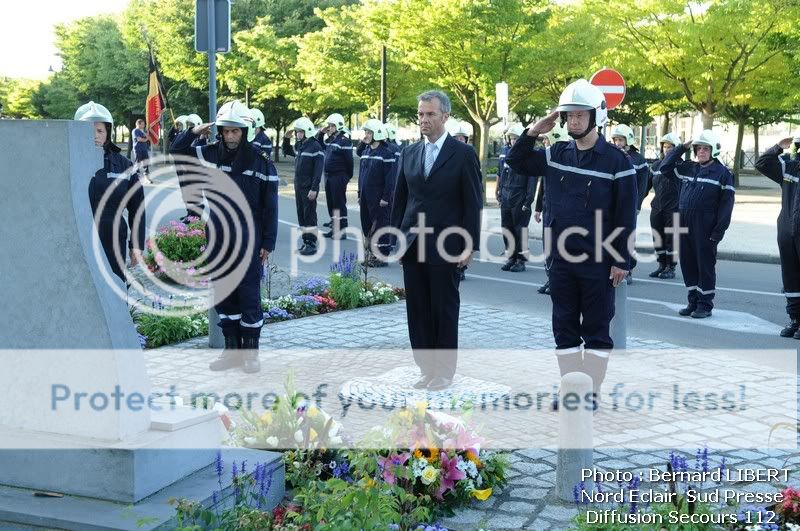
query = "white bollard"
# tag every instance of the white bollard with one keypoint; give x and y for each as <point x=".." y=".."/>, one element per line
<point x="619" y="324"/>
<point x="574" y="434"/>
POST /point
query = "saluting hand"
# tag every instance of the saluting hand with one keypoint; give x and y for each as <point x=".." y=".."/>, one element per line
<point x="687" y="145"/>
<point x="202" y="129"/>
<point x="786" y="143"/>
<point x="543" y="125"/>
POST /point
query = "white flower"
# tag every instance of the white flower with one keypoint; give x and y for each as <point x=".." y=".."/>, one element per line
<point x="272" y="441"/>
<point x="298" y="436"/>
<point x="335" y="440"/>
<point x="250" y="440"/>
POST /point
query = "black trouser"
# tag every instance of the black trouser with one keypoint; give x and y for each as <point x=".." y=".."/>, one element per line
<point x="660" y="221"/>
<point x="698" y="257"/>
<point x="239" y="306"/>
<point x="336" y="199"/>
<point x="583" y="306"/>
<point x="374" y="217"/>
<point x="191" y="193"/>
<point x="789" y="250"/>
<point x="515" y="220"/>
<point x="107" y="242"/>
<point x="306" y="213"/>
<point x="432" y="307"/>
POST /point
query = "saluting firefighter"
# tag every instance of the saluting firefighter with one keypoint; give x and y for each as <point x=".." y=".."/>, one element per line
<point x="338" y="172"/>
<point x="309" y="158"/>
<point x="705" y="206"/>
<point x="787" y="174"/>
<point x="376" y="181"/>
<point x="557" y="134"/>
<point x="590" y="187"/>
<point x="119" y="191"/>
<point x="261" y="141"/>
<point x="663" y="208"/>
<point x="229" y="229"/>
<point x="190" y="191"/>
<point x="515" y="194"/>
<point x="623" y="137"/>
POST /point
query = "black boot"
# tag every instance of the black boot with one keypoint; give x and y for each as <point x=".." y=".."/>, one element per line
<point x="790" y="329"/>
<point x="545" y="289"/>
<point x="518" y="266"/>
<point x="250" y="354"/>
<point x="508" y="264"/>
<point x="658" y="271"/>
<point x="689" y="310"/>
<point x="668" y="273"/>
<point x="230" y="357"/>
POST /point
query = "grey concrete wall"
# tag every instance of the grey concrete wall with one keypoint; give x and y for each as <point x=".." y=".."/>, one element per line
<point x="52" y="289"/>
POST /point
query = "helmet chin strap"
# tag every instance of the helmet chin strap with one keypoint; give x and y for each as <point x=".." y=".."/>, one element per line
<point x="592" y="125"/>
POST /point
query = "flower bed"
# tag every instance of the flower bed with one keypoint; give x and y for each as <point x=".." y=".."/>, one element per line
<point x="403" y="487"/>
<point x="344" y="289"/>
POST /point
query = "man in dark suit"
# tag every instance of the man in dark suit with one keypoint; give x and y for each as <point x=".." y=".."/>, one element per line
<point x="437" y="207"/>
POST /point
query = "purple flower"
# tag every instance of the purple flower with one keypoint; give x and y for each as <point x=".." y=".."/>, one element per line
<point x="142" y="339"/>
<point x="218" y="464"/>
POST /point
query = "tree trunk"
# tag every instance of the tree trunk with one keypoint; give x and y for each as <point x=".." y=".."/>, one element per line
<point x="482" y="143"/>
<point x="642" y="132"/>
<point x="737" y="158"/>
<point x="708" y="120"/>
<point x="755" y="140"/>
<point x="664" y="125"/>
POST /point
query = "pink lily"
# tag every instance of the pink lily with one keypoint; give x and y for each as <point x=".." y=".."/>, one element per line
<point x="450" y="474"/>
<point x="388" y="464"/>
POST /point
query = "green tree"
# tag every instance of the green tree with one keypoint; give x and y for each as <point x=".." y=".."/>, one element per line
<point x="16" y="97"/>
<point x="703" y="50"/>
<point x="57" y="98"/>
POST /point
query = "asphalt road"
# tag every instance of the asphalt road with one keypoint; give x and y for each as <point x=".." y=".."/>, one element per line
<point x="749" y="311"/>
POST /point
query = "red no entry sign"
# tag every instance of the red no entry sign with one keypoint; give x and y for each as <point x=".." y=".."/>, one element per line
<point x="612" y="84"/>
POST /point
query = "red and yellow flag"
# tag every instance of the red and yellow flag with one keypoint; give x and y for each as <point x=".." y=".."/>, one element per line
<point x="154" y="105"/>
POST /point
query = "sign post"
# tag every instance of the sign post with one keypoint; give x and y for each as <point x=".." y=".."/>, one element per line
<point x="212" y="34"/>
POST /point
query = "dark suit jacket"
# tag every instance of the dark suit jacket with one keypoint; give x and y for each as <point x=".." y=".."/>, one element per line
<point x="449" y="197"/>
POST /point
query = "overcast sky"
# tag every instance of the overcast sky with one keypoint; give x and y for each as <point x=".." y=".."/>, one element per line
<point x="27" y="40"/>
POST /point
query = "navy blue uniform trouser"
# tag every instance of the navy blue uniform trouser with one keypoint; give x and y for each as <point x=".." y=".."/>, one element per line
<point x="306" y="213"/>
<point x="583" y="306"/>
<point x="698" y="258"/>
<point x="789" y="250"/>
<point x="515" y="220"/>
<point x="373" y="218"/>
<point x="107" y="242"/>
<point x="336" y="198"/>
<point x="660" y="220"/>
<point x="432" y="308"/>
<point x="239" y="303"/>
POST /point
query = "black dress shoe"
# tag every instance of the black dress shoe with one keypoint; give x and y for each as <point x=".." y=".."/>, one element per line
<point x="439" y="383"/>
<point x="423" y="381"/>
<point x="508" y="264"/>
<point x="701" y="314"/>
<point x="308" y="250"/>
<point x="545" y="288"/>
<point x="689" y="310"/>
<point x="790" y="329"/>
<point x="657" y="272"/>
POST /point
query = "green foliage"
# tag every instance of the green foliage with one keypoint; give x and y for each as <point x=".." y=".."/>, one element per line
<point x="16" y="97"/>
<point x="343" y="505"/>
<point x="167" y="329"/>
<point x="346" y="291"/>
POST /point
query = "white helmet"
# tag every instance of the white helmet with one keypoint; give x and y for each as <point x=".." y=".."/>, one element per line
<point x="182" y="119"/>
<point x="305" y="125"/>
<point x="623" y="131"/>
<point x="708" y="138"/>
<point x="337" y="120"/>
<point x="581" y="95"/>
<point x="558" y="134"/>
<point x="193" y="119"/>
<point x="258" y="117"/>
<point x="93" y="112"/>
<point x="671" y="138"/>
<point x="234" y="114"/>
<point x="515" y="129"/>
<point x="796" y="139"/>
<point x="391" y="133"/>
<point x="377" y="128"/>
